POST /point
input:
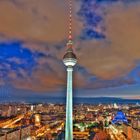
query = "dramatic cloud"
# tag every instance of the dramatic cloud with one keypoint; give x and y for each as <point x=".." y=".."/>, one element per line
<point x="33" y="20"/>
<point x="33" y="41"/>
<point x="118" y="54"/>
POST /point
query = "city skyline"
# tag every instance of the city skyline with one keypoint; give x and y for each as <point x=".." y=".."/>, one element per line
<point x="32" y="43"/>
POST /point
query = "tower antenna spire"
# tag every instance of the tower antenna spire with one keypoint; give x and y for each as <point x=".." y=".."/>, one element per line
<point x="70" y="24"/>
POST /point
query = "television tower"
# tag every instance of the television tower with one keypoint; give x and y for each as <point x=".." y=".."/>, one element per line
<point x="69" y="61"/>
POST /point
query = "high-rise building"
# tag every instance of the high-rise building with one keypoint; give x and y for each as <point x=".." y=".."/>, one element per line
<point x="37" y="120"/>
<point x="69" y="60"/>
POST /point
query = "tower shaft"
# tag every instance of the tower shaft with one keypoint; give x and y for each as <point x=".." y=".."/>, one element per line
<point x="69" y="106"/>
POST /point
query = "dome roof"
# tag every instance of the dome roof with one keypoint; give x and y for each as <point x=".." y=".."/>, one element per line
<point x="69" y="54"/>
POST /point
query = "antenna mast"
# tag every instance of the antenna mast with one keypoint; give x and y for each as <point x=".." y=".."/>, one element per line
<point x="70" y="25"/>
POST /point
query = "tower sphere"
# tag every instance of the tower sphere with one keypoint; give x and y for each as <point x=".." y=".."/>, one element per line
<point x="69" y="58"/>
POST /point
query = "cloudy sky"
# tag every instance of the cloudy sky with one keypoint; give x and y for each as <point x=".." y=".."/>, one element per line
<point x="33" y="36"/>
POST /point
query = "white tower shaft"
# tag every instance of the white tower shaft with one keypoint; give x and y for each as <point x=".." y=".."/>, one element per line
<point x="69" y="106"/>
